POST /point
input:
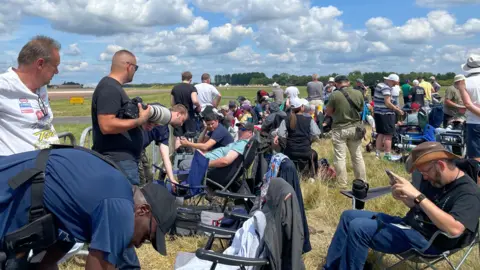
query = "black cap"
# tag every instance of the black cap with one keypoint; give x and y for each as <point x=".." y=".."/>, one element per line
<point x="246" y="125"/>
<point x="341" y="78"/>
<point x="164" y="211"/>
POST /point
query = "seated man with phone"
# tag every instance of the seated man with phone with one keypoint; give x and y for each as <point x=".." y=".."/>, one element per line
<point x="448" y="200"/>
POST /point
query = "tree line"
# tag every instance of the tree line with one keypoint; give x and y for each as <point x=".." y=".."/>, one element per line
<point x="370" y="78"/>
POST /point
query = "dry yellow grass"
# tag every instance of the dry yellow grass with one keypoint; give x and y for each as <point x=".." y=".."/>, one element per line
<point x="324" y="206"/>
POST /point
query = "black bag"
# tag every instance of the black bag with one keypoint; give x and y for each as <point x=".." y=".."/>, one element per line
<point x="360" y="130"/>
<point x="360" y="191"/>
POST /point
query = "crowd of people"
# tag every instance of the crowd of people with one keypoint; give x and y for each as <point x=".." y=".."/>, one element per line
<point x="105" y="196"/>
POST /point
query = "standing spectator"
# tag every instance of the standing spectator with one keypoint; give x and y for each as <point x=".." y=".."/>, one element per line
<point x="395" y="95"/>
<point x="328" y="90"/>
<point x="470" y="93"/>
<point x="291" y="92"/>
<point x="453" y="104"/>
<point x="406" y="91"/>
<point x="315" y="91"/>
<point x="384" y="115"/>
<point x="207" y="93"/>
<point x="418" y="94"/>
<point x="346" y="118"/>
<point x="428" y="90"/>
<point x="277" y="93"/>
<point x="26" y="116"/>
<point x="360" y="86"/>
<point x="186" y="94"/>
<point x="435" y="84"/>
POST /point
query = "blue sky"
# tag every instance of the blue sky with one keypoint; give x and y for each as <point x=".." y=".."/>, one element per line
<point x="227" y="36"/>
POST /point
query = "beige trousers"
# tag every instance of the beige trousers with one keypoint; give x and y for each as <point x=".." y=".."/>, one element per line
<point x="343" y="139"/>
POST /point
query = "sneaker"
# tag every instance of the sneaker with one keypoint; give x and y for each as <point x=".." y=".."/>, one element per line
<point x="387" y="157"/>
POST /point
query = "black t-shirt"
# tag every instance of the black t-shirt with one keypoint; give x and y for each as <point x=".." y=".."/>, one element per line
<point x="182" y="94"/>
<point x="108" y="98"/>
<point x="221" y="136"/>
<point x="460" y="199"/>
<point x="418" y="95"/>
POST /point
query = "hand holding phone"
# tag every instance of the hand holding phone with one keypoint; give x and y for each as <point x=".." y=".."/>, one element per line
<point x="393" y="177"/>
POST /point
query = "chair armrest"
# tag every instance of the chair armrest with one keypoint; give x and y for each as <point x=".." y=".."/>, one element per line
<point x="238" y="216"/>
<point x="217" y="230"/>
<point x="228" y="259"/>
<point x="231" y="195"/>
<point x="437" y="234"/>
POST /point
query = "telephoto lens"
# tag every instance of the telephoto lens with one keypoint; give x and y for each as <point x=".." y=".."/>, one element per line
<point x="159" y="115"/>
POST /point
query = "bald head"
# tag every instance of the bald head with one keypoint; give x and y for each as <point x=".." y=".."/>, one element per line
<point x="122" y="58"/>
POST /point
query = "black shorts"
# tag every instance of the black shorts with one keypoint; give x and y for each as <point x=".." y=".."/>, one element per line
<point x="190" y="125"/>
<point x="385" y="123"/>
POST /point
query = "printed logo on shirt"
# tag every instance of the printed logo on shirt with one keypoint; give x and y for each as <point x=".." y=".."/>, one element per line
<point x="44" y="135"/>
<point x="26" y="110"/>
<point x="23" y="100"/>
<point x="39" y="114"/>
<point x="25" y="105"/>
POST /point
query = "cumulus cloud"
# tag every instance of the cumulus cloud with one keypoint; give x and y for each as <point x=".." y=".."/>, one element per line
<point x="75" y="66"/>
<point x="245" y="55"/>
<point x="73" y="50"/>
<point x="104" y="17"/>
<point x="109" y="51"/>
<point x="249" y="11"/>
<point x="444" y="3"/>
<point x="9" y="17"/>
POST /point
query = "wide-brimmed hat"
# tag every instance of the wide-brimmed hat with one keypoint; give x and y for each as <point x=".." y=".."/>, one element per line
<point x="458" y="78"/>
<point x="473" y="64"/>
<point x="426" y="152"/>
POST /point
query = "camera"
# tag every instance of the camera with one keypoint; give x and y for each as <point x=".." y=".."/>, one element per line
<point x="158" y="113"/>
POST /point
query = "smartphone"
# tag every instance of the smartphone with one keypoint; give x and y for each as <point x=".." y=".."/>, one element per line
<point x="392" y="176"/>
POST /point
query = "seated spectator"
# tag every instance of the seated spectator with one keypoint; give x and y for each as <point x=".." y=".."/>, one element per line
<point x="212" y="137"/>
<point x="297" y="132"/>
<point x="232" y="107"/>
<point x="448" y="200"/>
<point x="412" y="115"/>
<point x="246" y="112"/>
<point x="226" y="155"/>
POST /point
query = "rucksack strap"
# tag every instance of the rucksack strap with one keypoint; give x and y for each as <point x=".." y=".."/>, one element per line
<point x="357" y="109"/>
<point x="37" y="176"/>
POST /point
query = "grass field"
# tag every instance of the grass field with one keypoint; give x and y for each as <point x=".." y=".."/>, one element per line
<point x="323" y="203"/>
<point x="64" y="108"/>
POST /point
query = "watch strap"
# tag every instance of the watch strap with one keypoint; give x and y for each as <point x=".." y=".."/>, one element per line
<point x="419" y="199"/>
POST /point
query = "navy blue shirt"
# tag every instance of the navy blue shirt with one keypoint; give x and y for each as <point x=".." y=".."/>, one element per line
<point x="92" y="201"/>
<point x="158" y="134"/>
<point x="221" y="136"/>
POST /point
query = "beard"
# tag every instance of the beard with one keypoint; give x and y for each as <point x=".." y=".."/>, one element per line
<point x="437" y="182"/>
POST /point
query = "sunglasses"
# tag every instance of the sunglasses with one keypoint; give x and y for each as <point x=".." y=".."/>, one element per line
<point x="136" y="66"/>
<point x="42" y="106"/>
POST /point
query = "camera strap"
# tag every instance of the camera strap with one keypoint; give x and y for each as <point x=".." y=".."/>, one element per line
<point x="354" y="106"/>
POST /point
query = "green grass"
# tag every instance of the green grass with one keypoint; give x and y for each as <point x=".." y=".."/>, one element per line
<point x="62" y="107"/>
<point x="75" y="129"/>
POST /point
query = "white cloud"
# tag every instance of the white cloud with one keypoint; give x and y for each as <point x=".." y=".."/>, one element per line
<point x="75" y="66"/>
<point x="378" y="47"/>
<point x="245" y="55"/>
<point x="249" y="11"/>
<point x="287" y="57"/>
<point x="198" y="26"/>
<point x="104" y="17"/>
<point x="109" y="51"/>
<point x="9" y="17"/>
<point x="445" y="23"/>
<point x="444" y="3"/>
<point x="73" y="50"/>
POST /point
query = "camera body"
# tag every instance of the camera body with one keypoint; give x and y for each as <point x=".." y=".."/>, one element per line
<point x="158" y="113"/>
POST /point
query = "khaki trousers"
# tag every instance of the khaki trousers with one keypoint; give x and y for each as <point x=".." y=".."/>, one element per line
<point x="343" y="139"/>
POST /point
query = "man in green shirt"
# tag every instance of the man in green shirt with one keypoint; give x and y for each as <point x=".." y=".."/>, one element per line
<point x="406" y="88"/>
<point x="345" y="120"/>
<point x="452" y="106"/>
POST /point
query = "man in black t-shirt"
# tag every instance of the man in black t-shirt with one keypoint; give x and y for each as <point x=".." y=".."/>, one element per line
<point x="212" y="137"/>
<point x="418" y="94"/>
<point x="185" y="93"/>
<point x="447" y="200"/>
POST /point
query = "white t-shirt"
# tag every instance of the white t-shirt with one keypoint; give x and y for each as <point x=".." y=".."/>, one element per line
<point x="23" y="123"/>
<point x="473" y="88"/>
<point x="206" y="94"/>
<point x="292" y="92"/>
<point x="396" y="91"/>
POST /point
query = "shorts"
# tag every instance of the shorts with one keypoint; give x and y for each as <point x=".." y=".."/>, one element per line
<point x="385" y="123"/>
<point x="190" y="125"/>
<point x="473" y="140"/>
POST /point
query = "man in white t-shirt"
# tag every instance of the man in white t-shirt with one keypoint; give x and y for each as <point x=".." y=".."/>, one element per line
<point x="26" y="116"/>
<point x="207" y="93"/>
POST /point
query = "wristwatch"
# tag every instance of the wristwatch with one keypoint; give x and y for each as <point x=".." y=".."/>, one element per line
<point x="419" y="199"/>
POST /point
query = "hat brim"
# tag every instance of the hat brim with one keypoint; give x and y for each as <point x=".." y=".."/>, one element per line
<point x="468" y="69"/>
<point x="159" y="245"/>
<point x="410" y="166"/>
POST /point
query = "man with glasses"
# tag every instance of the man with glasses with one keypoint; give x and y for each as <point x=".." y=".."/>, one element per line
<point x="214" y="135"/>
<point x="120" y="139"/>
<point x="26" y="117"/>
<point x="447" y="200"/>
